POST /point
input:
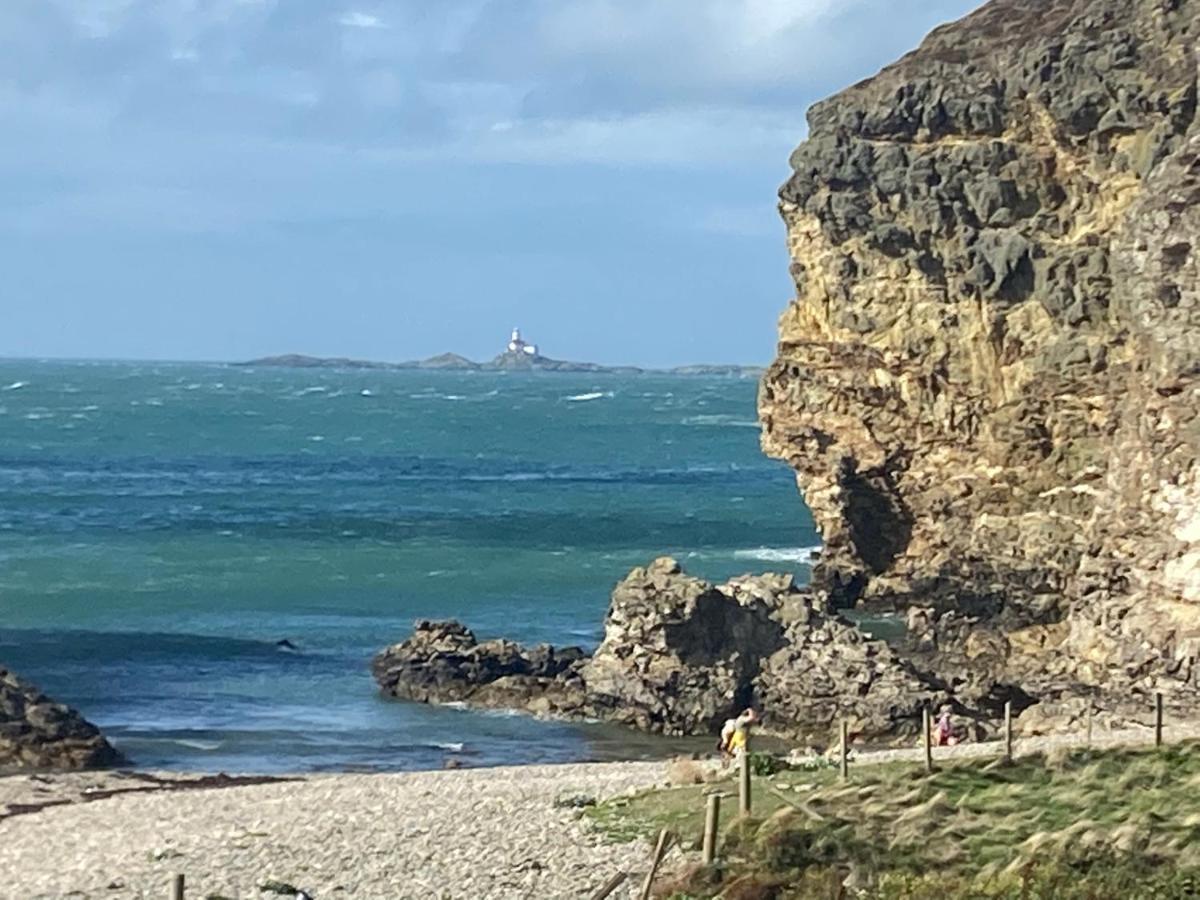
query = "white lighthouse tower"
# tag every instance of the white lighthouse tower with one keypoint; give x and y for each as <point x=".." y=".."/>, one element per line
<point x="517" y="345"/>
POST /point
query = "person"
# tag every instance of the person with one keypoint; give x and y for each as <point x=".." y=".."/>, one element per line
<point x="735" y="735"/>
<point x="943" y="733"/>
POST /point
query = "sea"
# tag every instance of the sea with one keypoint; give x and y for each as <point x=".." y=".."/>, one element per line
<point x="164" y="526"/>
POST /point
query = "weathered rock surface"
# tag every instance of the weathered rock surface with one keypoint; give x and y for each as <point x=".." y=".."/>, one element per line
<point x="37" y="733"/>
<point x="679" y="656"/>
<point x="443" y="662"/>
<point x="987" y="382"/>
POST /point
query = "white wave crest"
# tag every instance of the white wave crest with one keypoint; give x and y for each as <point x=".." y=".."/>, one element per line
<point x="15" y="386"/>
<point x="583" y="398"/>
<point x="207" y="746"/>
<point x="721" y="421"/>
<point x="804" y="555"/>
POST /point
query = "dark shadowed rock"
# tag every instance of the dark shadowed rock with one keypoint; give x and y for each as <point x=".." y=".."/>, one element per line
<point x="37" y="733"/>
<point x="443" y="663"/>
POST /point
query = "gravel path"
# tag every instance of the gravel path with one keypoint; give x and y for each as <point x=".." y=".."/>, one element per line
<point x="476" y="834"/>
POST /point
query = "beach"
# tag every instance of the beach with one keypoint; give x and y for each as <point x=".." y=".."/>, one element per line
<point x="472" y="833"/>
<point x="503" y="832"/>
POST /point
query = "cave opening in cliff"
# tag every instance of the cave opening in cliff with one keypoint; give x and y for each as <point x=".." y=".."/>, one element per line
<point x="879" y="523"/>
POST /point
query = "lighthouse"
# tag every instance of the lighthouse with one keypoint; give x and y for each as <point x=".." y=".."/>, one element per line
<point x="517" y="345"/>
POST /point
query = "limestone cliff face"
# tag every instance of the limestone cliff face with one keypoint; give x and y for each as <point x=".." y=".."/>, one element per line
<point x="987" y="381"/>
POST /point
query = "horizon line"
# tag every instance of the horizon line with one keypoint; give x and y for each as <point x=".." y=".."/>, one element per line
<point x="233" y="362"/>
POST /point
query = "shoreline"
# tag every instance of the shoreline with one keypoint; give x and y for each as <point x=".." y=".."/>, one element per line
<point x="499" y="832"/>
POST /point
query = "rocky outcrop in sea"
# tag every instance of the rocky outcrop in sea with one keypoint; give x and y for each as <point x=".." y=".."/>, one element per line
<point x="679" y="656"/>
<point x="37" y="733"/>
<point x="988" y="382"/>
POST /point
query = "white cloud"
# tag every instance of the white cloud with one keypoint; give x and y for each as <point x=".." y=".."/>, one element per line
<point x="356" y="19"/>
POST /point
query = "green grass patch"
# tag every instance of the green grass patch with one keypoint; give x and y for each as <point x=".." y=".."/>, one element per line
<point x="1118" y="823"/>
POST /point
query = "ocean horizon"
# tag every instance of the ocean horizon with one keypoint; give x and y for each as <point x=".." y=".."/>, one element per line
<point x="163" y="526"/>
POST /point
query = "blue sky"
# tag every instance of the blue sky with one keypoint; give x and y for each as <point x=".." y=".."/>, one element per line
<point x="389" y="179"/>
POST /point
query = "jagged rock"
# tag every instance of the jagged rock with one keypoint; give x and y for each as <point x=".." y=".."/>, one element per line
<point x="443" y="662"/>
<point x="37" y="733"/>
<point x="679" y="656"/>
<point x="827" y="670"/>
<point x="989" y="380"/>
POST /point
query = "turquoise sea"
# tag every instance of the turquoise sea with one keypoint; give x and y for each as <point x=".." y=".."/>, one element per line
<point x="163" y="525"/>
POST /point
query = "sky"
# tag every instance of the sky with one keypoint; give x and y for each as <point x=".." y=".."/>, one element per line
<point x="391" y="179"/>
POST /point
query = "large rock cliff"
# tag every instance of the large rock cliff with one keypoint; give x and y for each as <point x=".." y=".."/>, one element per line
<point x="987" y="380"/>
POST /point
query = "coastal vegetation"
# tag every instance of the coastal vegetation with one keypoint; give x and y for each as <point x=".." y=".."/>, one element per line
<point x="1067" y="823"/>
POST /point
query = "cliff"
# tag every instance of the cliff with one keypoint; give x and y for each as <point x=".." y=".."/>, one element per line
<point x="987" y="380"/>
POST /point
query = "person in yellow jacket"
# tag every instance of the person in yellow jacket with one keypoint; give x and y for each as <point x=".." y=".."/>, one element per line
<point x="735" y="736"/>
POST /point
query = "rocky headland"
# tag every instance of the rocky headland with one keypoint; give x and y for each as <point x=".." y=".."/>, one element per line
<point x="37" y="733"/>
<point x="988" y="385"/>
<point x="987" y="381"/>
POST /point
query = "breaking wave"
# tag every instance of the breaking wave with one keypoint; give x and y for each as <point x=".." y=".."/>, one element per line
<point x="803" y="555"/>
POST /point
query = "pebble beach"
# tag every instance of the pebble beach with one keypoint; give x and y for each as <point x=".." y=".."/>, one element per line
<point x="473" y="833"/>
<point x="506" y="832"/>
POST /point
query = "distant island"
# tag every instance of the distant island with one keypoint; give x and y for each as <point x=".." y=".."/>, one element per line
<point x="518" y="356"/>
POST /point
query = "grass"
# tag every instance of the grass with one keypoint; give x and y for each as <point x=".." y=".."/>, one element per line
<point x="1075" y="823"/>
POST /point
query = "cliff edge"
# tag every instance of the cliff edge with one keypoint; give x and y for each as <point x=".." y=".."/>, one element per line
<point x="987" y="380"/>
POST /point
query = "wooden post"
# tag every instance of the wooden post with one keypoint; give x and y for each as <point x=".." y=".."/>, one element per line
<point x="712" y="817"/>
<point x="664" y="838"/>
<point x="1008" y="739"/>
<point x="177" y="888"/>
<point x="926" y="727"/>
<point x="845" y="750"/>
<point x="609" y="886"/>
<point x="1089" y="724"/>
<point x="1158" y="719"/>
<point x="744" y="782"/>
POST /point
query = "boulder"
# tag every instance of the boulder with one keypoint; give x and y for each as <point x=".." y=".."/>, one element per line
<point x="37" y="733"/>
<point x="679" y="655"/>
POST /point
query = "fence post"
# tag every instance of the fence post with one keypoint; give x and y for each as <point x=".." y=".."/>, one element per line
<point x="609" y="886"/>
<point x="845" y="750"/>
<point x="744" y="782"/>
<point x="177" y="888"/>
<point x="711" y="818"/>
<point x="1008" y="738"/>
<point x="926" y="727"/>
<point x="664" y="838"/>
<point x="1158" y="719"/>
